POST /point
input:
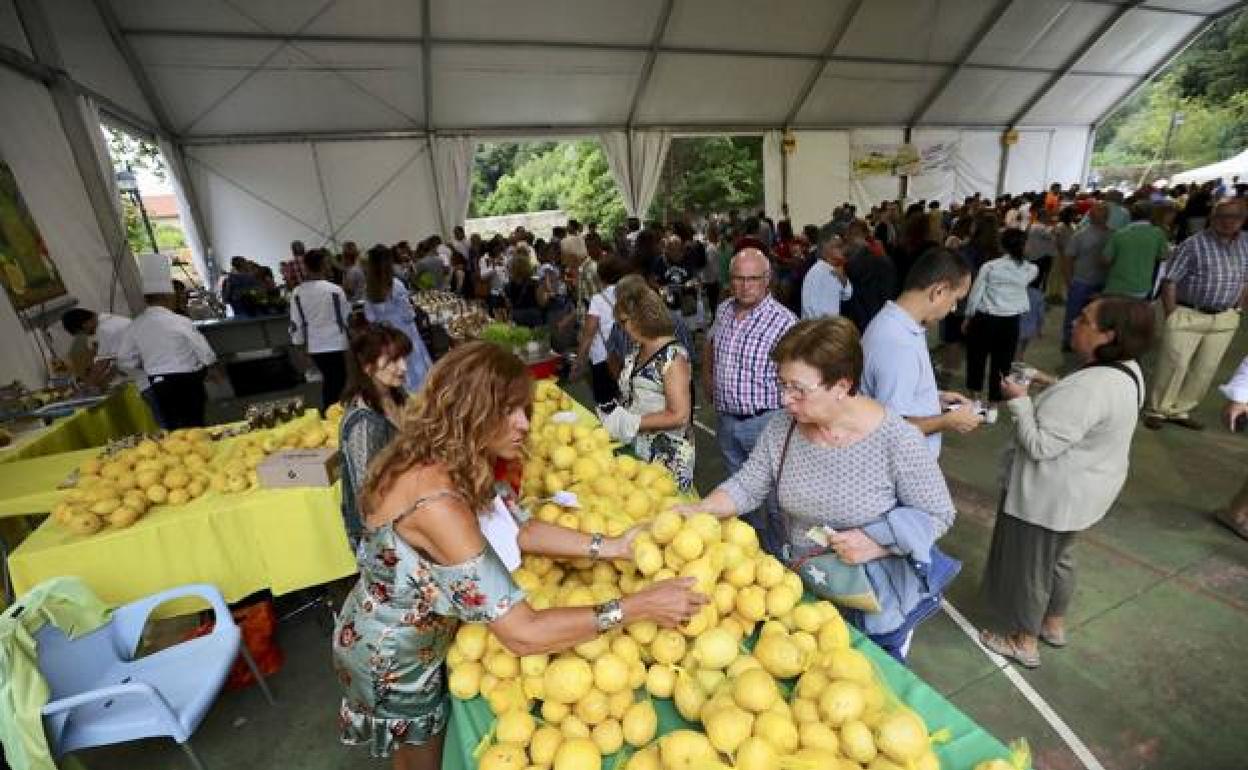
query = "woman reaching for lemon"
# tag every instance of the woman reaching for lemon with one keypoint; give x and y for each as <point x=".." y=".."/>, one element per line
<point x="425" y="565"/>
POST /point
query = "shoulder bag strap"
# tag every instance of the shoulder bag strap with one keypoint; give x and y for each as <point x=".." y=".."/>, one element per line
<point x="784" y="454"/>
<point x="1139" y="389"/>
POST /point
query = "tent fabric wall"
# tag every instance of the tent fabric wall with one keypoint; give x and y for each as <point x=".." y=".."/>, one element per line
<point x="1040" y="158"/>
<point x="452" y="167"/>
<point x="190" y="228"/>
<point x="257" y="198"/>
<point x="636" y="160"/>
<point x="866" y="192"/>
<point x="818" y="178"/>
<point x="975" y="166"/>
<point x="34" y="146"/>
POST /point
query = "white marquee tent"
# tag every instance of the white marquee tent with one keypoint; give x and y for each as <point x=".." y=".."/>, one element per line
<point x="328" y="120"/>
<point x="1227" y="170"/>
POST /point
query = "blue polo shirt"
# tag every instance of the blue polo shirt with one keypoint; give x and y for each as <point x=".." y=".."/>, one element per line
<point x="897" y="367"/>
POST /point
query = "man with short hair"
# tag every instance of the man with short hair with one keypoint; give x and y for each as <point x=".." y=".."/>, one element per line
<point x="102" y="333"/>
<point x="1203" y="295"/>
<point x="825" y="286"/>
<point x="897" y="367"/>
<point x="238" y="287"/>
<point x="292" y="269"/>
<point x="738" y="374"/>
<point x="1087" y="265"/>
<point x="459" y="242"/>
<point x="318" y="321"/>
<point x="1133" y="252"/>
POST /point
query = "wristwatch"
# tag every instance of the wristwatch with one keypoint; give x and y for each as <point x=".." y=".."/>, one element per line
<point x="608" y="615"/>
<point x="595" y="545"/>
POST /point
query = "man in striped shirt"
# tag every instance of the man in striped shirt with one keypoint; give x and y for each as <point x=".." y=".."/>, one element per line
<point x="737" y="371"/>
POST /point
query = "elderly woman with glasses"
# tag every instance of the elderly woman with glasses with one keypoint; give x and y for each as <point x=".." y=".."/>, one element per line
<point x="845" y="471"/>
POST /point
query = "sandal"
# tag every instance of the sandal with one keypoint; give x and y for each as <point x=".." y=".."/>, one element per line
<point x="1054" y="640"/>
<point x="1006" y="648"/>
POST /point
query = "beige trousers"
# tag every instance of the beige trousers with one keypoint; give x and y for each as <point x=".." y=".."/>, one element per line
<point x="1192" y="346"/>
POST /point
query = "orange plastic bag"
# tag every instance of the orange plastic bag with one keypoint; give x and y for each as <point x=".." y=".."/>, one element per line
<point x="257" y="622"/>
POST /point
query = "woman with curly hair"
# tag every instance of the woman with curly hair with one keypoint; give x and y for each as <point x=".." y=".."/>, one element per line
<point x="425" y="565"/>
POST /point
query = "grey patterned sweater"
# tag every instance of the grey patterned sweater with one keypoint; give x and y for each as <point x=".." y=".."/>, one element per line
<point x="842" y="487"/>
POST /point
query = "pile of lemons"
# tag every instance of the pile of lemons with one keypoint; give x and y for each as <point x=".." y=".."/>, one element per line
<point x="117" y="490"/>
<point x="567" y="711"/>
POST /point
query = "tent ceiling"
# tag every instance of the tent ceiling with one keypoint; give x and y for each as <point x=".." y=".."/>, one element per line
<point x="228" y="69"/>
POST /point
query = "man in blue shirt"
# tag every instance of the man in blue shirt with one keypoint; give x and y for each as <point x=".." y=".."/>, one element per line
<point x="897" y="367"/>
<point x="825" y="286"/>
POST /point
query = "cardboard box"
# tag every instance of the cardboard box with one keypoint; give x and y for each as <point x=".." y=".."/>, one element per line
<point x="300" y="468"/>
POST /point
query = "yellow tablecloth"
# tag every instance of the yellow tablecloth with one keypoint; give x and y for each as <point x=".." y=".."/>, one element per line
<point x="279" y="539"/>
<point x="121" y="414"/>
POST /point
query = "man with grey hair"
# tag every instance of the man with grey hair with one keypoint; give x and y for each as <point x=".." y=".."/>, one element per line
<point x="1203" y="295"/>
<point x="738" y="374"/>
<point x="825" y="286"/>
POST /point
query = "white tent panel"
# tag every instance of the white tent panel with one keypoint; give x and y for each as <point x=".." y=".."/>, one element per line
<point x="601" y="21"/>
<point x="978" y="163"/>
<point x="484" y="86"/>
<point x="1225" y="169"/>
<point x="850" y="92"/>
<point x="11" y="33"/>
<point x="1067" y="152"/>
<point x="220" y="15"/>
<point x="1040" y="33"/>
<point x="396" y="18"/>
<point x="1136" y="42"/>
<point x="295" y="92"/>
<point x="753" y="26"/>
<point x="257" y="198"/>
<point x="1078" y="99"/>
<point x="693" y="88"/>
<point x="90" y="56"/>
<point x="920" y="30"/>
<point x="379" y="191"/>
<point x="293" y="16"/>
<point x="193" y="75"/>
<point x="866" y="192"/>
<point x="818" y="176"/>
<point x="35" y="148"/>
<point x="984" y="97"/>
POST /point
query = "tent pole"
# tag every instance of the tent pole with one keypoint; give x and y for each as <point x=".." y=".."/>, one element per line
<point x="1004" y="165"/>
<point x="82" y="145"/>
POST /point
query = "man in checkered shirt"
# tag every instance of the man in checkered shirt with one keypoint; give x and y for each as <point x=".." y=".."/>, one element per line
<point x="738" y="373"/>
<point x="1203" y="294"/>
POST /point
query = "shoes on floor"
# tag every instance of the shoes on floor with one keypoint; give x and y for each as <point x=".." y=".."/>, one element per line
<point x="1054" y="640"/>
<point x="1153" y="422"/>
<point x="1191" y="423"/>
<point x="1006" y="648"/>
<point x="1236" y="523"/>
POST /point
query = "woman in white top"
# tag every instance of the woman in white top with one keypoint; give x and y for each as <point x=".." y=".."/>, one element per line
<point x="997" y="302"/>
<point x="1067" y="463"/>
<point x="595" y="332"/>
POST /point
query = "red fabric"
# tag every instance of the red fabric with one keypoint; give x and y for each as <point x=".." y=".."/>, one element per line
<point x="257" y="622"/>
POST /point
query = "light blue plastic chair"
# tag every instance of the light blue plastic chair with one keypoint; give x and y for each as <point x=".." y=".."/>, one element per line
<point x="101" y="694"/>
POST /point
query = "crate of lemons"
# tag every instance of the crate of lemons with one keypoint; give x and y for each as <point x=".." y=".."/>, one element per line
<point x="115" y="491"/>
<point x="801" y="699"/>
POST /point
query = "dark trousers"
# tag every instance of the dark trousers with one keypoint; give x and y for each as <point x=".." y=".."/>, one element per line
<point x="603" y="384"/>
<point x="1030" y="575"/>
<point x="333" y="367"/>
<point x="181" y="399"/>
<point x="992" y="339"/>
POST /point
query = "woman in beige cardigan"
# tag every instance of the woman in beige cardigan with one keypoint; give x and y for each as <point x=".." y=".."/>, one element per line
<point x="1068" y="462"/>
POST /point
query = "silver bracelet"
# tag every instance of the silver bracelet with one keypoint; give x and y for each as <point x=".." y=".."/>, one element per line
<point x="608" y="615"/>
<point x="595" y="545"/>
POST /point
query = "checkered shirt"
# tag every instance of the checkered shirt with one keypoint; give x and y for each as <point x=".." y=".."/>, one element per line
<point x="1208" y="272"/>
<point x="745" y="375"/>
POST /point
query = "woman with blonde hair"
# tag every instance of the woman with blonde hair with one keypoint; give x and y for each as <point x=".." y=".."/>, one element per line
<point x="654" y="411"/>
<point x="425" y="565"/>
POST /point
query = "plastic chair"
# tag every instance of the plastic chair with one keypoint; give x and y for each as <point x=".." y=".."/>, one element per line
<point x="101" y="694"/>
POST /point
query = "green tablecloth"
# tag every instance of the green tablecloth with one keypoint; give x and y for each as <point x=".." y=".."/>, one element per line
<point x="969" y="743"/>
<point x="121" y="414"/>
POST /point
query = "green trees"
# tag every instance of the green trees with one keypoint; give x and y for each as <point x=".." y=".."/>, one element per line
<point x="1208" y="85"/>
<point x="702" y="175"/>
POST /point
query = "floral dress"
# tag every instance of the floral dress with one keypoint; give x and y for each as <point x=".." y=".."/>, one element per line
<point x="642" y="392"/>
<point x="392" y="636"/>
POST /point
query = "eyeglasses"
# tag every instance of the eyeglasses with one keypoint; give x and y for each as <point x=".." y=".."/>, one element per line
<point x="748" y="278"/>
<point x="796" y="390"/>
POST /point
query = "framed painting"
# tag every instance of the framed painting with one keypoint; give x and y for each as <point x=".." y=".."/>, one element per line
<point x="26" y="269"/>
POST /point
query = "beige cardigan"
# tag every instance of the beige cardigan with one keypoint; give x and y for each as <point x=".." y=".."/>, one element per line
<point x="1071" y="448"/>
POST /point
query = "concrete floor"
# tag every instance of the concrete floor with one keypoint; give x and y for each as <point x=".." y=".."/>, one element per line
<point x="1155" y="676"/>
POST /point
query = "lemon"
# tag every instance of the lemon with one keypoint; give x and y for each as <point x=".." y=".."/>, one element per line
<point x="627" y="467"/>
<point x="157" y="494"/>
<point x="563" y="457"/>
<point x="769" y="572"/>
<point x="637" y="505"/>
<point x="577" y="754"/>
<point x="777" y="730"/>
<point x="515" y="727"/>
<point x="503" y="756"/>
<point x="568" y="679"/>
<point x="728" y="727"/>
<point x="660" y="680"/>
<point x="608" y="736"/>
<point x="465" y="681"/>
<point x="755" y="690"/>
<point x="543" y="745"/>
<point x="668" y="646"/>
<point x="666" y="526"/>
<point x="840" y="702"/>
<point x="553" y="712"/>
<point x="757" y="754"/>
<point x="610" y="673"/>
<point x="751" y="603"/>
<point x="585" y="469"/>
<point x="857" y="742"/>
<point x="687" y="544"/>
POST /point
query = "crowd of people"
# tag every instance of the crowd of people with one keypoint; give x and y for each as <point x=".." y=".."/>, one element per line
<point x="811" y="347"/>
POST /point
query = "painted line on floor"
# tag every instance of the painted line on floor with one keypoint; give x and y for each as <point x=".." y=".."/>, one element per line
<point x="1077" y="746"/>
<point x="699" y="424"/>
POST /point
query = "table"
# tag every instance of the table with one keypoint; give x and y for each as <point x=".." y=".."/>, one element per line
<point x="968" y="745"/>
<point x="277" y="539"/>
<point x="121" y="414"/>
